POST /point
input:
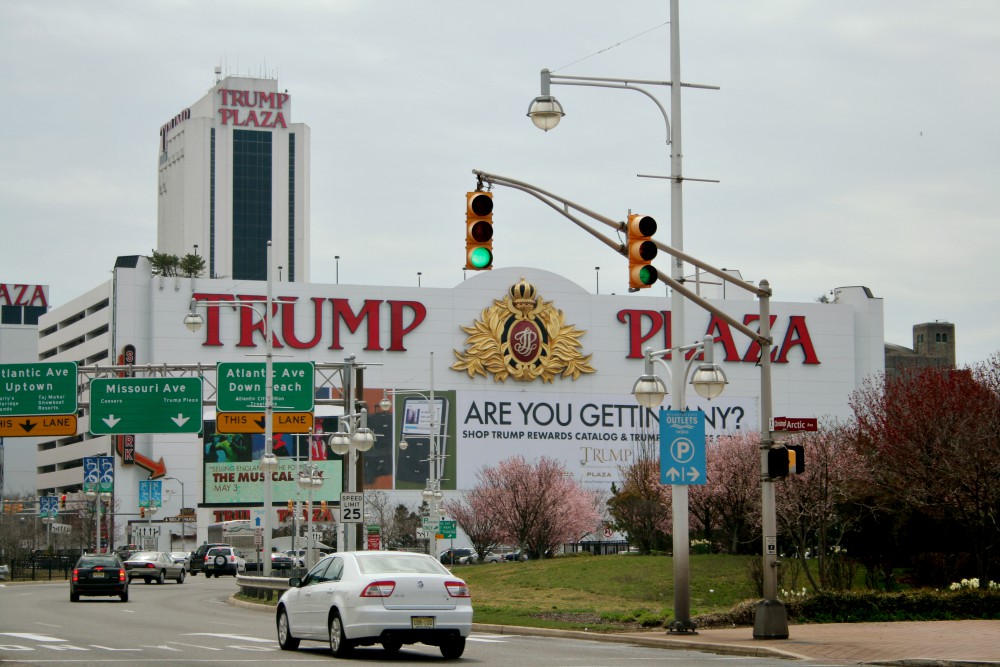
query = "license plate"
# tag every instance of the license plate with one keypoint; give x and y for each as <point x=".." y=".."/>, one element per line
<point x="97" y="575"/>
<point x="421" y="622"/>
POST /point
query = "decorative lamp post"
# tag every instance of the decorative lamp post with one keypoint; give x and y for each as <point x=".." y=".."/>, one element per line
<point x="432" y="490"/>
<point x="310" y="479"/>
<point x="354" y="438"/>
<point x="268" y="461"/>
<point x="649" y="390"/>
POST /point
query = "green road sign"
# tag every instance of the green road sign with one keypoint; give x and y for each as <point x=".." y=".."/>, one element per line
<point x="145" y="405"/>
<point x="38" y="389"/>
<point x="447" y="529"/>
<point x="241" y="386"/>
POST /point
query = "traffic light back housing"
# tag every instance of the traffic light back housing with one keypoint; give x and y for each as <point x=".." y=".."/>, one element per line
<point x="641" y="251"/>
<point x="478" y="230"/>
<point x="785" y="461"/>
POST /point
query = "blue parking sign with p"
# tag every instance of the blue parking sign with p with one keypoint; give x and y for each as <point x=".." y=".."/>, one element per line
<point x="682" y="447"/>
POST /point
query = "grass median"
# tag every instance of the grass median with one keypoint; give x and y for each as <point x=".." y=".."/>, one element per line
<point x="601" y="593"/>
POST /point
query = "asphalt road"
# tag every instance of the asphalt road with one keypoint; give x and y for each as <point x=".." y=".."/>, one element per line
<point x="192" y="624"/>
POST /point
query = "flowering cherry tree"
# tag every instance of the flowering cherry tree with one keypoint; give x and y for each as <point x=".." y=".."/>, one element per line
<point x="537" y="505"/>
<point x="818" y="508"/>
<point x="729" y="503"/>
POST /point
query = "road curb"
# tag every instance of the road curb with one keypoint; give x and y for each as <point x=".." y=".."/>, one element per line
<point x="646" y="639"/>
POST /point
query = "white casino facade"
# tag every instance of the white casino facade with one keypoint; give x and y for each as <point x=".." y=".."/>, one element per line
<point x="572" y="401"/>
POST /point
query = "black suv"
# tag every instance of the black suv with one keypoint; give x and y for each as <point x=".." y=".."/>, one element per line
<point x="98" y="574"/>
<point x="197" y="563"/>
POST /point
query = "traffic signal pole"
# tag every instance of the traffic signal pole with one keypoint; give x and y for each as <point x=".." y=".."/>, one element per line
<point x="770" y="620"/>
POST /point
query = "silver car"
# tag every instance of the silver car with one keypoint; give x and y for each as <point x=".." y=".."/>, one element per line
<point x="155" y="566"/>
<point x="361" y="598"/>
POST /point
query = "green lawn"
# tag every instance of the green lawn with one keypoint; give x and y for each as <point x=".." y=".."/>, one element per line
<point x="601" y="592"/>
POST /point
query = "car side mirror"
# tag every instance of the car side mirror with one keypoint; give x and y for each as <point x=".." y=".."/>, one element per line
<point x="295" y="582"/>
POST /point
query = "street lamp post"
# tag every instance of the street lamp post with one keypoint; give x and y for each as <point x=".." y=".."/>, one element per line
<point x="708" y="380"/>
<point x="268" y="461"/>
<point x="183" y="519"/>
<point x="435" y="459"/>
<point x="352" y="438"/>
<point x="545" y="112"/>
<point x="310" y="479"/>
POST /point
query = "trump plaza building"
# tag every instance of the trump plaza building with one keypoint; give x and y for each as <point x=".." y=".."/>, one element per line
<point x="521" y="362"/>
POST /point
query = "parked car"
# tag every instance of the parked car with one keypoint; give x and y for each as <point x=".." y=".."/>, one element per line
<point x="362" y="598"/>
<point x="197" y="562"/>
<point x="459" y="556"/>
<point x="4" y="572"/>
<point x="181" y="558"/>
<point x="98" y="574"/>
<point x="280" y="561"/>
<point x="298" y="556"/>
<point x="155" y="566"/>
<point x="493" y="557"/>
<point x="515" y="556"/>
<point x="224" y="560"/>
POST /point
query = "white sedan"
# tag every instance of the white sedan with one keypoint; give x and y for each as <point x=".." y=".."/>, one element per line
<point x="361" y="598"/>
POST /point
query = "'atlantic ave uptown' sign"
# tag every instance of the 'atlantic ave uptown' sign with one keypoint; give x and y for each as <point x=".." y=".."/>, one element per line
<point x="145" y="405"/>
<point x="241" y="386"/>
<point x="38" y="389"/>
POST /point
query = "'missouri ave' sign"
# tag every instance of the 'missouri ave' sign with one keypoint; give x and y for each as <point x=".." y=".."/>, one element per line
<point x="145" y="405"/>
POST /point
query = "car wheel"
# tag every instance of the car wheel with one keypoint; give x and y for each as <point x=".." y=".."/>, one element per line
<point x="220" y="561"/>
<point x="285" y="639"/>
<point x="339" y="645"/>
<point x="180" y="577"/>
<point x="453" y="648"/>
<point x="74" y="597"/>
<point x="162" y="578"/>
<point x="391" y="646"/>
<point x="124" y="596"/>
<point x="147" y="580"/>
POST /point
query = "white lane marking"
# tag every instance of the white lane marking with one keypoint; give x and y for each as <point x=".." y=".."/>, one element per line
<point x="108" y="648"/>
<point x="486" y="640"/>
<point x="241" y="638"/>
<point x="207" y="648"/>
<point x="33" y="637"/>
<point x="165" y="648"/>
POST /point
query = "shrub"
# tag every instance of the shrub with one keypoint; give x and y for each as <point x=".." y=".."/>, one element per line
<point x="916" y="605"/>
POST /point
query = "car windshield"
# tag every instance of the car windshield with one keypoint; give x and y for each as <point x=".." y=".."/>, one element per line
<point x="98" y="562"/>
<point x="144" y="555"/>
<point x="399" y="563"/>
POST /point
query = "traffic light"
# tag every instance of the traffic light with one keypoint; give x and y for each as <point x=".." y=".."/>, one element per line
<point x="62" y="501"/>
<point x="291" y="506"/>
<point x="784" y="461"/>
<point x="641" y="251"/>
<point x="142" y="512"/>
<point x="322" y="506"/>
<point x="478" y="230"/>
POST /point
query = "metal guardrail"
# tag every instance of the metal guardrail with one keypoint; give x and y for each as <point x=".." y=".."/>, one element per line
<point x="264" y="588"/>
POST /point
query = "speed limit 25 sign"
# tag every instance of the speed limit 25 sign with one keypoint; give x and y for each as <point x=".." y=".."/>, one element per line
<point x="352" y="507"/>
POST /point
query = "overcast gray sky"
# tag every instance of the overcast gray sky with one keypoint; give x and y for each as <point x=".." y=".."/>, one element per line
<point x="856" y="141"/>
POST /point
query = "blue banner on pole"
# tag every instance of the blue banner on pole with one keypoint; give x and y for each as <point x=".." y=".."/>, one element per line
<point x="682" y="447"/>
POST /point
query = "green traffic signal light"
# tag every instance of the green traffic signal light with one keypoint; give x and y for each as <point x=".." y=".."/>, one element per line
<point x="478" y="230"/>
<point x="480" y="258"/>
